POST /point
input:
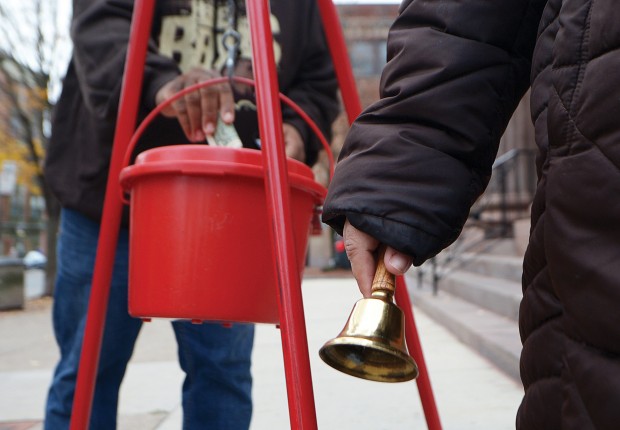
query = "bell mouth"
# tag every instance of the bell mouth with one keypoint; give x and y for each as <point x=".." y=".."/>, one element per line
<point x="369" y="359"/>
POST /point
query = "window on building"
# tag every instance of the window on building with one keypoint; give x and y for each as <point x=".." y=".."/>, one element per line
<point x="367" y="57"/>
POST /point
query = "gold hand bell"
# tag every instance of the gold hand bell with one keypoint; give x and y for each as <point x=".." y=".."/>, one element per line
<point x="371" y="345"/>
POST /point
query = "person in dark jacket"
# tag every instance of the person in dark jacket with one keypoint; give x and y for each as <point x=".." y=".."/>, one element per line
<point x="415" y="161"/>
<point x="185" y="48"/>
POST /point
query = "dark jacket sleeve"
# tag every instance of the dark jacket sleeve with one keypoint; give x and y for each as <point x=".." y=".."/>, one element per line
<point x="314" y="85"/>
<point x="415" y="161"/>
<point x="100" y="33"/>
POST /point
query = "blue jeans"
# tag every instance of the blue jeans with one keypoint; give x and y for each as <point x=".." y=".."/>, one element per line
<point x="216" y="359"/>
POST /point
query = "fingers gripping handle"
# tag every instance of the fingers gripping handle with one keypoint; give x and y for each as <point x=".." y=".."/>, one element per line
<point x="384" y="282"/>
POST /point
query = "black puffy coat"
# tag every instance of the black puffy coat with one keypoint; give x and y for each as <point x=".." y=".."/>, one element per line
<point x="416" y="160"/>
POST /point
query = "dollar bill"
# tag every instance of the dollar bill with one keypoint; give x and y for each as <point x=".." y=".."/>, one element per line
<point x="225" y="135"/>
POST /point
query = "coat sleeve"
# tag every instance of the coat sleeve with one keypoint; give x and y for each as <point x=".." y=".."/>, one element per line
<point x="100" y="33"/>
<point x="414" y="162"/>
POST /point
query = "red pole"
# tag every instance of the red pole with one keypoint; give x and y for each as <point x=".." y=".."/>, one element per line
<point x="292" y="324"/>
<point x="111" y="218"/>
<point x="351" y="100"/>
<point x="340" y="56"/>
<point x="415" y="348"/>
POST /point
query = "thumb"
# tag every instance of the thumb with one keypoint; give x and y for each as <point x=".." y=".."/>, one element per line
<point x="396" y="262"/>
<point x="360" y="248"/>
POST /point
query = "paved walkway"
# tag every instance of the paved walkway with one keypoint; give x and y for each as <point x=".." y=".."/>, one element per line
<point x="471" y="394"/>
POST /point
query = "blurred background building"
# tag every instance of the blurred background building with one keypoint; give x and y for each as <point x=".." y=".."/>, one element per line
<point x="22" y="206"/>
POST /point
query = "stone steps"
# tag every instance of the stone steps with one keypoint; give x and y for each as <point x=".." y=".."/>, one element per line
<point x="494" y="294"/>
<point x="478" y="301"/>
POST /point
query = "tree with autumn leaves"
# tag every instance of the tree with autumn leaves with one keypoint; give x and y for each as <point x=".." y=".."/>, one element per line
<point x="33" y="56"/>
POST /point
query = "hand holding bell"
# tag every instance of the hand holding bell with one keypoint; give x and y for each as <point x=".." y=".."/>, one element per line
<point x="371" y="345"/>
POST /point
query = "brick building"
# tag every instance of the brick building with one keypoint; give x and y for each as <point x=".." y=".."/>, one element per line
<point x="365" y="28"/>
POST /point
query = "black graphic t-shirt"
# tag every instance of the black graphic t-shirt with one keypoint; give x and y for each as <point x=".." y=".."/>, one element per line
<point x="193" y="32"/>
<point x="197" y="33"/>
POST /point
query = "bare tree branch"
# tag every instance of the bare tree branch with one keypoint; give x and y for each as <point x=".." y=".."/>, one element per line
<point x="28" y="56"/>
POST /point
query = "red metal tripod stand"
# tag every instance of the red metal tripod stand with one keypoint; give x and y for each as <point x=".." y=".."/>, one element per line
<point x="292" y="325"/>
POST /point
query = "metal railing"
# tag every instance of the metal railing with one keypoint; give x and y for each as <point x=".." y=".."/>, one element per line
<point x="509" y="193"/>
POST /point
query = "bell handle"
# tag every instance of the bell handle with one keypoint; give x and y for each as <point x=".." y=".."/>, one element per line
<point x="384" y="282"/>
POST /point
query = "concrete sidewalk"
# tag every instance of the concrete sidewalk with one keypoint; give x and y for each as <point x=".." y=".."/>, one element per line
<point x="471" y="394"/>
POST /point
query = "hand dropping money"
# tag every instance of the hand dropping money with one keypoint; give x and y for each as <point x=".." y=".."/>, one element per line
<point x="225" y="135"/>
